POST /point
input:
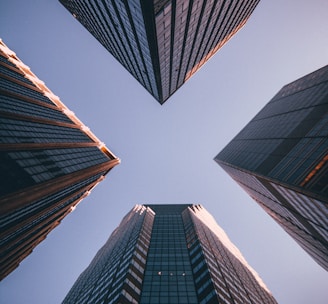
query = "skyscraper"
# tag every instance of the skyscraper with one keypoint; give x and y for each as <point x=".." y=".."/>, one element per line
<point x="162" y="43"/>
<point x="49" y="161"/>
<point x="169" y="254"/>
<point x="281" y="160"/>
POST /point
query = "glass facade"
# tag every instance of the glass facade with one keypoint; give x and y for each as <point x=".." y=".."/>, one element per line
<point x="169" y="254"/>
<point x="162" y="43"/>
<point x="221" y="273"/>
<point x="168" y="274"/>
<point x="49" y="160"/>
<point x="281" y="159"/>
<point x="115" y="274"/>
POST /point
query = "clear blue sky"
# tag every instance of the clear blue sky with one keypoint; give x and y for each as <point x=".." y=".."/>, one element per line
<point x="167" y="151"/>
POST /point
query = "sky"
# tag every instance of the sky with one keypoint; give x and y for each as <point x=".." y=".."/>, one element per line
<point x="167" y="151"/>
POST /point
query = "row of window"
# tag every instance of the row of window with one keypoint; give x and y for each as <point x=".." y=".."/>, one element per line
<point x="42" y="165"/>
<point x="304" y="83"/>
<point x="20" y="214"/>
<point x="15" y="105"/>
<point x="42" y="218"/>
<point x="10" y="86"/>
<point x="14" y="74"/>
<point x="16" y="131"/>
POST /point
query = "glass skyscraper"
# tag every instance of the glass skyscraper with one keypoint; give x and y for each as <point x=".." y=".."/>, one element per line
<point x="169" y="254"/>
<point x="281" y="160"/>
<point x="49" y="161"/>
<point x="162" y="43"/>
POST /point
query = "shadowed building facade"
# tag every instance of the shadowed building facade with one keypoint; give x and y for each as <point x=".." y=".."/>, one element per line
<point x="169" y="254"/>
<point x="162" y="43"/>
<point x="281" y="160"/>
<point x="49" y="161"/>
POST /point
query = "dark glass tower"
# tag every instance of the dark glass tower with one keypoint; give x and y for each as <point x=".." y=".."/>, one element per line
<point x="162" y="43"/>
<point x="281" y="160"/>
<point x="169" y="254"/>
<point x="49" y="161"/>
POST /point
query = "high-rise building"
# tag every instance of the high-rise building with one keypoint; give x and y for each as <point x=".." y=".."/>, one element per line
<point x="169" y="254"/>
<point x="49" y="161"/>
<point x="162" y="43"/>
<point x="281" y="160"/>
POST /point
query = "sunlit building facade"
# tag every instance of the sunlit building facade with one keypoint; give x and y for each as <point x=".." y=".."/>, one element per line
<point x="162" y="43"/>
<point x="281" y="160"/>
<point x="49" y="161"/>
<point x="169" y="254"/>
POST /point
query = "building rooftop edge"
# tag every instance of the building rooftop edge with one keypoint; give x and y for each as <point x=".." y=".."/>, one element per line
<point x="13" y="58"/>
